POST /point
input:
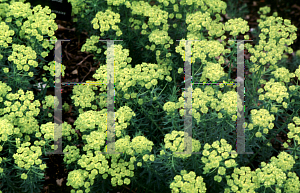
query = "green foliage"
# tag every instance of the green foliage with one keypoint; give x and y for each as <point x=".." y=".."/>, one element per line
<point x="149" y="100"/>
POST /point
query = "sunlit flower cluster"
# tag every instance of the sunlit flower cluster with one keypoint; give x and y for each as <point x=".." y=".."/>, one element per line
<point x="107" y="20"/>
<point x="275" y="91"/>
<point x="175" y="142"/>
<point x="188" y="182"/>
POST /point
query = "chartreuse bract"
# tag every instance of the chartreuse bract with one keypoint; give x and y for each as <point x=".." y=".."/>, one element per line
<point x="149" y="104"/>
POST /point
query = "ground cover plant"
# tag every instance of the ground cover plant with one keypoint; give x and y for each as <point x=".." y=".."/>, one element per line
<point x="149" y="99"/>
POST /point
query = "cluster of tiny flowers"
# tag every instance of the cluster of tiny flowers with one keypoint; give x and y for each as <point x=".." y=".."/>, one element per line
<point x="212" y="71"/>
<point x="6" y="36"/>
<point x="262" y="119"/>
<point x="294" y="129"/>
<point x="229" y="102"/>
<point x="25" y="157"/>
<point x="144" y="74"/>
<point x="210" y="6"/>
<point x="115" y="3"/>
<point x="105" y="21"/>
<point x="54" y="69"/>
<point x="274" y="91"/>
<point x="23" y="57"/>
<point x="90" y="45"/>
<point x="15" y="110"/>
<point x="50" y="101"/>
<point x="283" y="74"/>
<point x="83" y="96"/>
<point x="200" y="49"/>
<point x="297" y="72"/>
<point x="204" y="20"/>
<point x="155" y="14"/>
<point x="123" y="115"/>
<point x="190" y="183"/>
<point x="37" y="24"/>
<point x="242" y="180"/>
<point x="212" y="160"/>
<point x="202" y="100"/>
<point x="6" y="129"/>
<point x="77" y="7"/>
<point x="72" y="154"/>
<point x="272" y="50"/>
<point x="175" y="142"/>
<point x="76" y="178"/>
<point x="98" y="164"/>
<point x="159" y="37"/>
<point x="273" y="174"/>
<point x="48" y="131"/>
<point x="89" y="119"/>
<point x="236" y="26"/>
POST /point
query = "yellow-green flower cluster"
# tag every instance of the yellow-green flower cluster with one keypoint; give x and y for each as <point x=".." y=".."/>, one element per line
<point x="40" y="22"/>
<point x="6" y="129"/>
<point x="51" y="67"/>
<point x="123" y="115"/>
<point x="283" y="74"/>
<point x="210" y="6"/>
<point x="125" y="76"/>
<point x="76" y="178"/>
<point x="48" y="131"/>
<point x="200" y="49"/>
<point x="284" y="161"/>
<point x="50" y="101"/>
<point x="72" y="154"/>
<point x="298" y="53"/>
<point x="213" y="72"/>
<point x="89" y="119"/>
<point x="83" y="95"/>
<point x="4" y="89"/>
<point x="204" y="20"/>
<point x="99" y="164"/>
<point x="202" y="100"/>
<point x="155" y="14"/>
<point x="159" y="37"/>
<point x="262" y="118"/>
<point x="119" y="170"/>
<point x="242" y="180"/>
<point x="95" y="140"/>
<point x="169" y="107"/>
<point x="6" y="36"/>
<point x="297" y="72"/>
<point x="77" y="6"/>
<point x="15" y="110"/>
<point x="273" y="174"/>
<point x="115" y="3"/>
<point x="212" y="160"/>
<point x="229" y="102"/>
<point x="25" y="157"/>
<point x="106" y="20"/>
<point x="294" y="129"/>
<point x="275" y="91"/>
<point x="20" y="55"/>
<point x="175" y="142"/>
<point x="278" y="30"/>
<point x="236" y="26"/>
<point x="90" y="45"/>
<point x="188" y="182"/>
<point x="140" y="144"/>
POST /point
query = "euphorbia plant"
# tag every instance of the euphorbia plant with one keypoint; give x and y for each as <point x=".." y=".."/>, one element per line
<point x="149" y="127"/>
